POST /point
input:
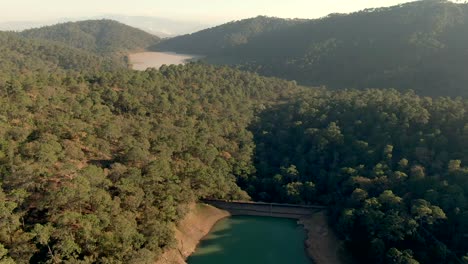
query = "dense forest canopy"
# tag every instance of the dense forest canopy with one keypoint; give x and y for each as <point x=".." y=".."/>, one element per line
<point x="99" y="36"/>
<point x="420" y="46"/>
<point x="19" y="55"/>
<point x="84" y="46"/>
<point x="391" y="166"/>
<point x="97" y="168"/>
<point x="98" y="162"/>
<point x="218" y="39"/>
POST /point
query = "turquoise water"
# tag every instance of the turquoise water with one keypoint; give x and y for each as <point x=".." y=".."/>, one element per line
<point x="252" y="239"/>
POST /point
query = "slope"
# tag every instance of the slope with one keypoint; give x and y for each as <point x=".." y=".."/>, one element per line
<point x="22" y="55"/>
<point x="217" y="39"/>
<point x="96" y="168"/>
<point x="420" y="45"/>
<point x="100" y="36"/>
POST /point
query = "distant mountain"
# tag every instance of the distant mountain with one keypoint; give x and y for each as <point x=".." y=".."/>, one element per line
<point x="420" y="45"/>
<point x="21" y="55"/>
<point x="161" y="27"/>
<point x="218" y="39"/>
<point x="99" y="36"/>
<point x="23" y="25"/>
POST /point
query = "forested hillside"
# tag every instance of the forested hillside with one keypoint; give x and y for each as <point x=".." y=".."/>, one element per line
<point x="19" y="55"/>
<point x="99" y="36"/>
<point x="218" y="39"/>
<point x="81" y="46"/>
<point x="97" y="168"/>
<point x="420" y="46"/>
<point x="99" y="162"/>
<point x="391" y="166"/>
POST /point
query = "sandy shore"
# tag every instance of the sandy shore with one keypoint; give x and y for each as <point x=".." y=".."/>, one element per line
<point x="196" y="225"/>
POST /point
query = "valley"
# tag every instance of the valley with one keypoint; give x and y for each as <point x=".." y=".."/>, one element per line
<point x="417" y="45"/>
<point x="360" y="119"/>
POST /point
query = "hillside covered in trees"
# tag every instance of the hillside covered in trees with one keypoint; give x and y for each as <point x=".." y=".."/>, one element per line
<point x="99" y="36"/>
<point x="98" y="162"/>
<point x="217" y="40"/>
<point x="420" y="45"/>
<point x="79" y="46"/>
<point x="97" y="168"/>
<point x="391" y="166"/>
<point x="19" y="55"/>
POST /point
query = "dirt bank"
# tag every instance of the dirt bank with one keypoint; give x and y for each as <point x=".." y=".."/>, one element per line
<point x="191" y="230"/>
<point x="322" y="244"/>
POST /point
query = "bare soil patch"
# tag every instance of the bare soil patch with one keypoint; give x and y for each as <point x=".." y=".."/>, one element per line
<point x="322" y="244"/>
<point x="196" y="225"/>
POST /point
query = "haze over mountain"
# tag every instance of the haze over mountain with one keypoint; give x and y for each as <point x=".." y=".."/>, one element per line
<point x="161" y="27"/>
<point x="22" y="25"/>
<point x="420" y="45"/>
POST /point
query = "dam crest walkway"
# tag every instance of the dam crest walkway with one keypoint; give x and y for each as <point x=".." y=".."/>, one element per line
<point x="266" y="209"/>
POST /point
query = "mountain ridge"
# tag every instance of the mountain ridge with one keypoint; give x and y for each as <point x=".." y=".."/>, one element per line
<point x="99" y="36"/>
<point x="216" y="39"/>
<point x="406" y="46"/>
<point x="19" y="55"/>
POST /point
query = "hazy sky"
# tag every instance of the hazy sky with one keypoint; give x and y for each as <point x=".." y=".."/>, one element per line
<point x="202" y="10"/>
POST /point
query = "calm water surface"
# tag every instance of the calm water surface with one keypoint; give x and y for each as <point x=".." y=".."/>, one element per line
<point x="252" y="239"/>
<point x="144" y="60"/>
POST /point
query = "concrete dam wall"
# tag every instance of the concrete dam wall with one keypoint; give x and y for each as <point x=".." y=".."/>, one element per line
<point x="266" y="209"/>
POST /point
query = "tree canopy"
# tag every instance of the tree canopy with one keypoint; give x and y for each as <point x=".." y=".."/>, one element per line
<point x="219" y="39"/>
<point x="98" y="167"/>
<point x="98" y="162"/>
<point x="390" y="166"/>
<point x="99" y="36"/>
<point x="419" y="46"/>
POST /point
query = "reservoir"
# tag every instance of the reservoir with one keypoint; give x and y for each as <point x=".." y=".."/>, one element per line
<point x="144" y="60"/>
<point x="252" y="239"/>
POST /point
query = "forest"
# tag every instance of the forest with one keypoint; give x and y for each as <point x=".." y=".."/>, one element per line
<point x="19" y="55"/>
<point x="98" y="162"/>
<point x="420" y="45"/>
<point x="97" y="168"/>
<point x="99" y="36"/>
<point x="218" y="40"/>
<point x="389" y="165"/>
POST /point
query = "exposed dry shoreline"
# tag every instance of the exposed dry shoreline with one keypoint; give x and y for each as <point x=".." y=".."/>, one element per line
<point x="322" y="244"/>
<point x="196" y="225"/>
